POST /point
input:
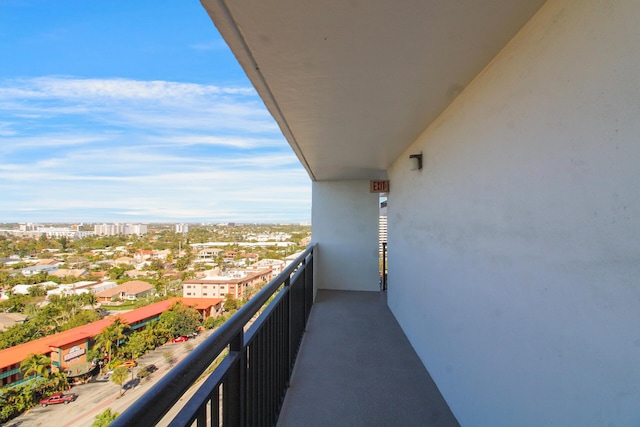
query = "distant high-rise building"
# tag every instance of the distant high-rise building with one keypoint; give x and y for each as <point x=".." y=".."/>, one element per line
<point x="182" y="228"/>
<point x="116" y="229"/>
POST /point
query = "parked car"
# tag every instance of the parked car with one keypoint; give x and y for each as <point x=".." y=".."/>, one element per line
<point x="54" y="399"/>
<point x="128" y="364"/>
<point x="180" y="339"/>
<point x="146" y="371"/>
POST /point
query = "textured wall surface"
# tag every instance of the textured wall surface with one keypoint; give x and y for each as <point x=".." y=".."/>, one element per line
<point x="344" y="219"/>
<point x="514" y="255"/>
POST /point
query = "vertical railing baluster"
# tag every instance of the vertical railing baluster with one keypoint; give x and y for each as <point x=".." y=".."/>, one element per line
<point x="234" y="394"/>
<point x="249" y="385"/>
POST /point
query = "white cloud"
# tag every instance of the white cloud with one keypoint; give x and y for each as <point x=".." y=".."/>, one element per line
<point x="209" y="45"/>
<point x="95" y="89"/>
<point x="100" y="149"/>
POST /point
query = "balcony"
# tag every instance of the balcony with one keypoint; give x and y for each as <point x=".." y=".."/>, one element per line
<point x="356" y="368"/>
<point x="354" y="365"/>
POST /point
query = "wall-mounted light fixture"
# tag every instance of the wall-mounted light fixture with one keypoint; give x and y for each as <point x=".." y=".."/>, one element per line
<point x="416" y="161"/>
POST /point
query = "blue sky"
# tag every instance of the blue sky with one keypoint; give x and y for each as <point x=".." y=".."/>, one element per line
<point x="134" y="111"/>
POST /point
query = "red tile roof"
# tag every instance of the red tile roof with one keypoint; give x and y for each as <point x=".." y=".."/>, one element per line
<point x="201" y="303"/>
<point x="18" y="353"/>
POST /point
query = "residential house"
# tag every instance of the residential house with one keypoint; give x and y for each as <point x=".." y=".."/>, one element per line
<point x="131" y="291"/>
<point x="73" y="272"/>
<point x="207" y="254"/>
<point x="39" y="268"/>
<point x="143" y="255"/>
<point x="124" y="261"/>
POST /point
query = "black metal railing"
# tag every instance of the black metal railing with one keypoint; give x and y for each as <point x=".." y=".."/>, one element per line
<point x="248" y="386"/>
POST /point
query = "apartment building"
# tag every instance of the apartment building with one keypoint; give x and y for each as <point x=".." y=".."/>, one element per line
<point x="117" y="229"/>
<point x="182" y="228"/>
<point x="234" y="283"/>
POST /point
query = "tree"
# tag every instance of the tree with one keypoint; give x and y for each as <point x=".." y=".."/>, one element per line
<point x="230" y="303"/>
<point x="119" y="376"/>
<point x="180" y="320"/>
<point x="64" y="242"/>
<point x="156" y="265"/>
<point x="35" y="364"/>
<point x="105" y="418"/>
<point x="118" y="327"/>
<point x="136" y="345"/>
<point x="89" y="298"/>
<point x="183" y="263"/>
<point x="37" y="291"/>
<point x="209" y="322"/>
<point x="111" y="335"/>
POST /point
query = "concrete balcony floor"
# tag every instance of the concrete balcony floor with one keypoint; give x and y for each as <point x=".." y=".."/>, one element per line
<point x="356" y="368"/>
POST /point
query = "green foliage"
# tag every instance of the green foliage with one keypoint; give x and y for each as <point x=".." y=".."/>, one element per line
<point x="105" y="418"/>
<point x="183" y="263"/>
<point x="117" y="273"/>
<point x="62" y="313"/>
<point x="82" y="318"/>
<point x="209" y="323"/>
<point x="136" y="346"/>
<point x="180" y="320"/>
<point x="20" y="333"/>
<point x="37" y="291"/>
<point x="35" y="364"/>
<point x="230" y="303"/>
<point x="112" y="336"/>
<point x="15" y="303"/>
<point x="217" y="321"/>
<point x="119" y="376"/>
<point x="16" y="399"/>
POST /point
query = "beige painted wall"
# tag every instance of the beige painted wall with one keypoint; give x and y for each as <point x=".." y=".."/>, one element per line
<point x="514" y="260"/>
<point x="345" y="225"/>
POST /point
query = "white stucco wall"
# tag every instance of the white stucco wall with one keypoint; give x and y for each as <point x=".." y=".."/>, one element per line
<point x="344" y="219"/>
<point x="514" y="263"/>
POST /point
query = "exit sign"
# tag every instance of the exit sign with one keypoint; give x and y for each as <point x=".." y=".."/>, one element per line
<point x="379" y="186"/>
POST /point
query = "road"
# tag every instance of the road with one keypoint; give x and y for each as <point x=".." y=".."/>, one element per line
<point x="94" y="398"/>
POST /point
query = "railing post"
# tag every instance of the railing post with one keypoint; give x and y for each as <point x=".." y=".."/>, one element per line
<point x="234" y="395"/>
<point x="384" y="266"/>
<point x="289" y="312"/>
<point x="308" y="287"/>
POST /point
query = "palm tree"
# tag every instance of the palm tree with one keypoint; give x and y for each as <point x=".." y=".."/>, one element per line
<point x="103" y="342"/>
<point x="119" y="376"/>
<point x="118" y="327"/>
<point x="112" y="334"/>
<point x="35" y="364"/>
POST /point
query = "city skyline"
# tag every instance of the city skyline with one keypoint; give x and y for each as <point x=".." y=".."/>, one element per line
<point x="135" y="113"/>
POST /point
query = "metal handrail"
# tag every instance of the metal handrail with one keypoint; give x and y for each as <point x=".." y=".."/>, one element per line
<point x="155" y="403"/>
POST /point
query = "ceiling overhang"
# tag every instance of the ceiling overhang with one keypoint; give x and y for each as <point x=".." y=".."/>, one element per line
<point x="353" y="83"/>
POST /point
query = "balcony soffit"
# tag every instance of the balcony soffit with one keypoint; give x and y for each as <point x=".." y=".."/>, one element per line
<point x="353" y="83"/>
